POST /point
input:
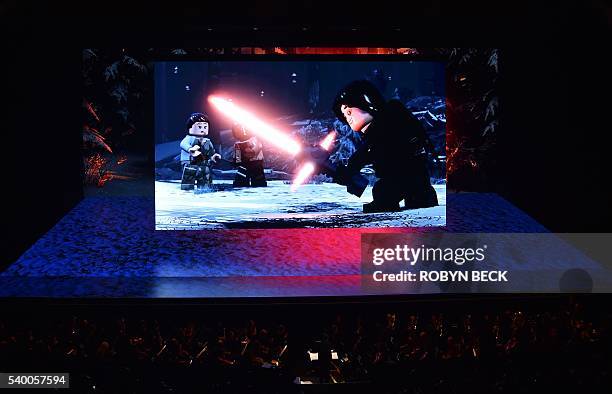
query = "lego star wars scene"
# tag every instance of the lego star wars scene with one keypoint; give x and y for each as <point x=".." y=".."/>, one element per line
<point x="299" y="144"/>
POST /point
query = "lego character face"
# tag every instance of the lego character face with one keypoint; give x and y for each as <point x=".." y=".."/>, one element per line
<point x="356" y="118"/>
<point x="199" y="129"/>
<point x="240" y="133"/>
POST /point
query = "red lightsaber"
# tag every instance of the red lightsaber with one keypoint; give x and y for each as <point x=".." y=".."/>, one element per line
<point x="307" y="169"/>
<point x="270" y="134"/>
<point x="260" y="128"/>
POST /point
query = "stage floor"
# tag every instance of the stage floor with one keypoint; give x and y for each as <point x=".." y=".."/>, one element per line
<point x="108" y="247"/>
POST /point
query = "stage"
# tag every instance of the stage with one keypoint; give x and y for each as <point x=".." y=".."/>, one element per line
<point x="107" y="247"/>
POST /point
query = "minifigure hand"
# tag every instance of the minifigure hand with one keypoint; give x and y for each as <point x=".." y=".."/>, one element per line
<point x="215" y="157"/>
<point x="194" y="148"/>
<point x="196" y="153"/>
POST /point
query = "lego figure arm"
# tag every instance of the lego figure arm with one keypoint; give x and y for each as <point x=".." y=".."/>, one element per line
<point x="189" y="148"/>
<point x="348" y="175"/>
<point x="359" y="159"/>
<point x="186" y="143"/>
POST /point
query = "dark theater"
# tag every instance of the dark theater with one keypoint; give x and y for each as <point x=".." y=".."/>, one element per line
<point x="305" y="198"/>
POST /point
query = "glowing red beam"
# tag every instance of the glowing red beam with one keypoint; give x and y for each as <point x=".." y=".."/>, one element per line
<point x="308" y="168"/>
<point x="255" y="125"/>
<point x="328" y="140"/>
<point x="304" y="172"/>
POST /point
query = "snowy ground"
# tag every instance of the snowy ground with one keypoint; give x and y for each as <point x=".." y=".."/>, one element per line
<point x="276" y="206"/>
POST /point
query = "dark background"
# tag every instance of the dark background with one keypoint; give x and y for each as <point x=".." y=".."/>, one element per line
<point x="553" y="136"/>
<point x="245" y="80"/>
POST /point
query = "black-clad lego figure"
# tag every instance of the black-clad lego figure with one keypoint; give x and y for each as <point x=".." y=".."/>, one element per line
<point x="394" y="143"/>
<point x="197" y="153"/>
<point x="248" y="156"/>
